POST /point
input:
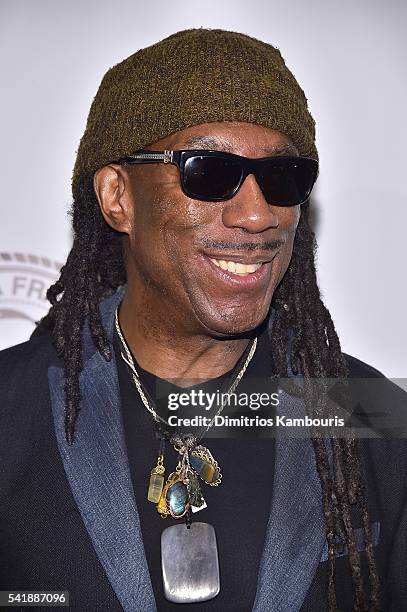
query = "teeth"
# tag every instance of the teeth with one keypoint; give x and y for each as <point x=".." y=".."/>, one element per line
<point x="241" y="268"/>
<point x="236" y="267"/>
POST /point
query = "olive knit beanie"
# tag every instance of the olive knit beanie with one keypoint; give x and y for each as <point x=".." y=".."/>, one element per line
<point x="194" y="76"/>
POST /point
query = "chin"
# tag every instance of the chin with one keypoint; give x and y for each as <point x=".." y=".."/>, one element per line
<point x="234" y="324"/>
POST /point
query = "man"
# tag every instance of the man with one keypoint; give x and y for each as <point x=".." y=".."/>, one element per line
<point x="192" y="260"/>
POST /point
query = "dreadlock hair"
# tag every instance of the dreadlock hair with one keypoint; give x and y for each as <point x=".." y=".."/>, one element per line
<point x="95" y="269"/>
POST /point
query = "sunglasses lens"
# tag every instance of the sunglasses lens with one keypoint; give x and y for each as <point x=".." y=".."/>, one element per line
<point x="211" y="178"/>
<point x="287" y="182"/>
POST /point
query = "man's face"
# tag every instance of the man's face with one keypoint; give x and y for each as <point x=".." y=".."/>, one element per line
<point x="178" y="248"/>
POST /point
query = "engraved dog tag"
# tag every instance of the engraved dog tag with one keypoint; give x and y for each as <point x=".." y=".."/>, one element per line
<point x="189" y="560"/>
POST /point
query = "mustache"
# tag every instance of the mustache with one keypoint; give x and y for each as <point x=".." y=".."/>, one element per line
<point x="269" y="245"/>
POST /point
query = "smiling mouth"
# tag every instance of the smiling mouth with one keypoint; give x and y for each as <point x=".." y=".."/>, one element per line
<point x="236" y="267"/>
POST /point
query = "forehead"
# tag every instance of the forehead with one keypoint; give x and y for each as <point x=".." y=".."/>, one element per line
<point x="247" y="139"/>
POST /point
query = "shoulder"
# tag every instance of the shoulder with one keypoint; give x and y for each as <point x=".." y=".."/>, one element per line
<point x="381" y="406"/>
<point x="377" y="396"/>
<point x="377" y="404"/>
<point x="26" y="363"/>
<point x="367" y="382"/>
<point x="360" y="369"/>
<point x="38" y="346"/>
<point x="27" y="439"/>
<point x="26" y="431"/>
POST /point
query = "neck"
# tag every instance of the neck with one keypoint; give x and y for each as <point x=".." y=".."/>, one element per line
<point x="175" y="354"/>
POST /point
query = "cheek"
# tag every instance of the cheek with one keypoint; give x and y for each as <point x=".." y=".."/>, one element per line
<point x="164" y="227"/>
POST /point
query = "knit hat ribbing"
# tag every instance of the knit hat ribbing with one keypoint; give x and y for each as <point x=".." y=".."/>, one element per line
<point x="192" y="77"/>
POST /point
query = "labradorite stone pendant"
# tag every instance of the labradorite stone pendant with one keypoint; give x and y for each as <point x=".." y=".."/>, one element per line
<point x="182" y="492"/>
<point x="174" y="499"/>
<point x="162" y="502"/>
<point x="177" y="497"/>
<point x="190" y="564"/>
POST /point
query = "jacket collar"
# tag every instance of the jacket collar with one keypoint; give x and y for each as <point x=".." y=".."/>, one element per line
<point x="98" y="472"/>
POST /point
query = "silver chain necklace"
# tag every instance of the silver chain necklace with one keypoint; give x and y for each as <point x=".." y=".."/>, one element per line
<point x="128" y="359"/>
<point x="189" y="557"/>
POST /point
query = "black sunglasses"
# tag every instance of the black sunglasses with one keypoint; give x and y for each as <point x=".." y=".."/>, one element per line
<point x="215" y="176"/>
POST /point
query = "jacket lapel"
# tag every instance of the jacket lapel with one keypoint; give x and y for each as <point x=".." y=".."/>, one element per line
<point x="296" y="528"/>
<point x="97" y="469"/>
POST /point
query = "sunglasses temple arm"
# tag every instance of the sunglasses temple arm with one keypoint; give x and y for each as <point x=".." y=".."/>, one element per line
<point x="149" y="157"/>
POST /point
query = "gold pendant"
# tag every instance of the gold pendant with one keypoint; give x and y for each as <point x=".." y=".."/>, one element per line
<point x="162" y="502"/>
<point x="174" y="498"/>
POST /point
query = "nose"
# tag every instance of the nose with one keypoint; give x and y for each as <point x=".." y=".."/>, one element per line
<point x="249" y="210"/>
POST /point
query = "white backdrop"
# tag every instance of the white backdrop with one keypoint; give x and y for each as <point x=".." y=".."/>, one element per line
<point x="349" y="58"/>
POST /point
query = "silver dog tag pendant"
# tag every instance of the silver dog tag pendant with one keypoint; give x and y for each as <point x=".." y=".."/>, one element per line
<point x="189" y="561"/>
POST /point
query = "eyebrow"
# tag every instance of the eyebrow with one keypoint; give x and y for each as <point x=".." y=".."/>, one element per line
<point x="216" y="144"/>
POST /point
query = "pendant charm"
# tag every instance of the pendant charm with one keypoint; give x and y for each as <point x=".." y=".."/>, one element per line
<point x="190" y="565"/>
<point x="156" y="484"/>
<point x="174" y="498"/>
<point x="182" y="492"/>
<point x="177" y="499"/>
<point x="201" y="460"/>
<point x="196" y="499"/>
<point x="162" y="502"/>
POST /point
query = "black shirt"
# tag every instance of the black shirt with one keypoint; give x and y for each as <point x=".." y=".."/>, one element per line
<point x="238" y="508"/>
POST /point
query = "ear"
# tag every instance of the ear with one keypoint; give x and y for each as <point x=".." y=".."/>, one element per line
<point x="111" y="184"/>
